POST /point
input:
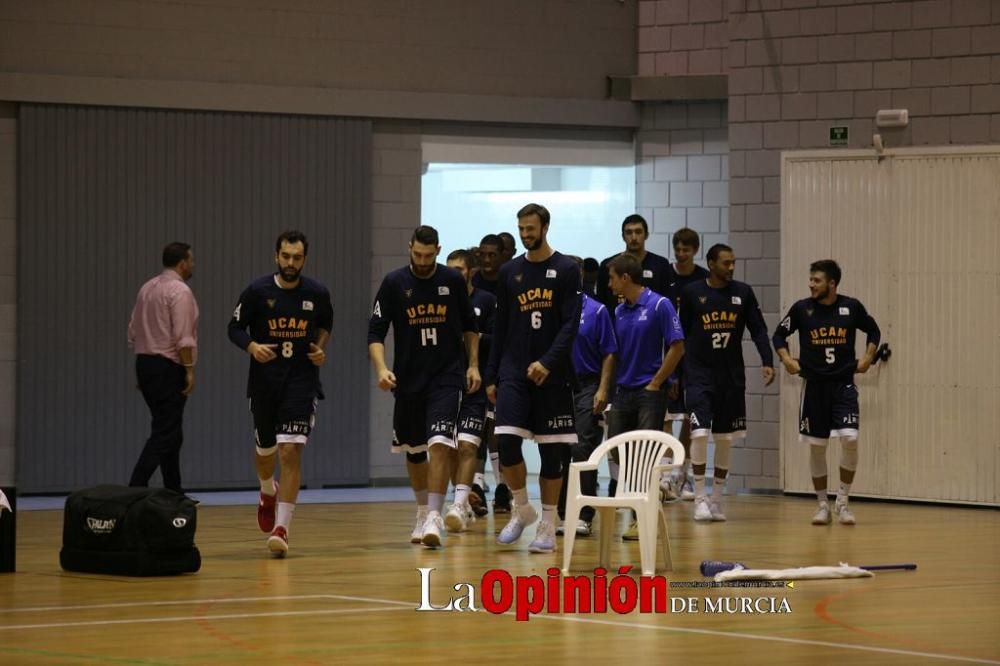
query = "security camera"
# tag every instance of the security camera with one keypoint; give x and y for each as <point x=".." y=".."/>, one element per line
<point x="892" y="118"/>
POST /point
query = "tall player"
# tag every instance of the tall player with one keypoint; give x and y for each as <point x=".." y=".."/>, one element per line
<point x="714" y="313"/>
<point x="685" y="271"/>
<point x="828" y="323"/>
<point x="530" y="372"/>
<point x="283" y="321"/>
<point x="656" y="271"/>
<point x="428" y="307"/>
<point x="472" y="415"/>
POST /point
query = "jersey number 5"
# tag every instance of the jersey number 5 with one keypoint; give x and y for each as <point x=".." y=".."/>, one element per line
<point x="830" y="358"/>
<point x="536" y="320"/>
<point x="428" y="336"/>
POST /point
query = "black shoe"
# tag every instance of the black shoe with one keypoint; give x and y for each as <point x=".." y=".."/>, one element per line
<point x="612" y="487"/>
<point x="501" y="499"/>
<point x="477" y="500"/>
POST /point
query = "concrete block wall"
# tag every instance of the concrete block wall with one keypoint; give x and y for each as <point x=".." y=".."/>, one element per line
<point x="798" y="67"/>
<point x="679" y="37"/>
<point x="682" y="172"/>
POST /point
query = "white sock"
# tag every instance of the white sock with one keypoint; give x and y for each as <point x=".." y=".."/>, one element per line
<point x="267" y="486"/>
<point x="549" y="513"/>
<point x="435" y="501"/>
<point x="461" y="493"/>
<point x="845" y="489"/>
<point x="699" y="485"/>
<point x="718" y="489"/>
<point x="520" y="497"/>
<point x="821" y="496"/>
<point x="284" y="514"/>
<point x="479" y="480"/>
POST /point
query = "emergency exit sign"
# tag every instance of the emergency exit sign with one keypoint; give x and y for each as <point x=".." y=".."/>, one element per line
<point x="838" y="136"/>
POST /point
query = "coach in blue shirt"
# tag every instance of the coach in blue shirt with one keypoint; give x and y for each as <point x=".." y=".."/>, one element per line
<point x="594" y="351"/>
<point x="646" y="324"/>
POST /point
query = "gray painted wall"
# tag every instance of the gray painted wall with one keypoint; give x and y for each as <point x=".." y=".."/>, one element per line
<point x="100" y="192"/>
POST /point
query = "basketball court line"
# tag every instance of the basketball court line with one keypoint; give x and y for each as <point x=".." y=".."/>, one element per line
<point x="404" y="605"/>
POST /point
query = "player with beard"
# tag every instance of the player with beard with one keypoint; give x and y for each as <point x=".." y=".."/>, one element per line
<point x="283" y="322"/>
<point x="828" y="324"/>
<point x="530" y="371"/>
<point x="714" y="314"/>
<point x="436" y="356"/>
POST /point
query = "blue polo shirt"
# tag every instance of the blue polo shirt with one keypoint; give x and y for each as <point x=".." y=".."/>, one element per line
<point x="594" y="339"/>
<point x="644" y="330"/>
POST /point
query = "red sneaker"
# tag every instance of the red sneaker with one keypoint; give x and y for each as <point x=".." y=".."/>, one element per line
<point x="265" y="510"/>
<point x="277" y="543"/>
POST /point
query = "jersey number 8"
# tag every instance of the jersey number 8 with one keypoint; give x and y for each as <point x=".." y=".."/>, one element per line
<point x="287" y="349"/>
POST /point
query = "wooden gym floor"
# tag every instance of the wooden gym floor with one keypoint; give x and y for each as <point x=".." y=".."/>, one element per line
<point x="347" y="593"/>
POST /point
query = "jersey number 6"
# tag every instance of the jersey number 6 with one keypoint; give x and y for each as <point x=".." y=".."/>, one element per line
<point x="536" y="320"/>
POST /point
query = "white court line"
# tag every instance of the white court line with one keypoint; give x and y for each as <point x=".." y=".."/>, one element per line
<point x="139" y="604"/>
<point x="403" y="605"/>
<point x="712" y="632"/>
<point x="192" y="618"/>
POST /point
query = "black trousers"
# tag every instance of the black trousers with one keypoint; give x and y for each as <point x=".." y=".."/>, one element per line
<point x="161" y="382"/>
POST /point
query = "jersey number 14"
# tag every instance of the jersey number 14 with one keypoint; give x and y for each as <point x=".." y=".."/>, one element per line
<point x="428" y="336"/>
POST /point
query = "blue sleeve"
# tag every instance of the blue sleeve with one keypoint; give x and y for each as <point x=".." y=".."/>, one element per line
<point x="606" y="340"/>
<point x="670" y="325"/>
<point x="324" y="315"/>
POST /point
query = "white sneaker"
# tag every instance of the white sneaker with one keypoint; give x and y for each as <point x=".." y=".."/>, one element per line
<point x="521" y="517"/>
<point x="418" y="527"/>
<point x="433" y="530"/>
<point x="668" y="489"/>
<point x="457" y="518"/>
<point x="701" y="511"/>
<point x="715" y="508"/>
<point x="844" y="515"/>
<point x="583" y="528"/>
<point x="687" y="491"/>
<point x="822" y="515"/>
<point x="545" y="538"/>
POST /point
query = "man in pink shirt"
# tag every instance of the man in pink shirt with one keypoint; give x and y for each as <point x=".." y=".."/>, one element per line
<point x="163" y="333"/>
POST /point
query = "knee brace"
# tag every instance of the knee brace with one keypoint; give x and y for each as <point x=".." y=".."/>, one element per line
<point x="817" y="460"/>
<point x="699" y="450"/>
<point x="849" y="454"/>
<point x="552" y="460"/>
<point x="416" y="458"/>
<point x="510" y="450"/>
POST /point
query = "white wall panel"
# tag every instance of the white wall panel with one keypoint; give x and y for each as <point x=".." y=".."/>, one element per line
<point x="917" y="234"/>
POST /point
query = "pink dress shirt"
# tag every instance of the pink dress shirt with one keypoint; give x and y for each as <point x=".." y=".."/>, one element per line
<point x="165" y="318"/>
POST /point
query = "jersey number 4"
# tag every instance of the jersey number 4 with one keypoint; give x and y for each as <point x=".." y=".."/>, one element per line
<point x="428" y="336"/>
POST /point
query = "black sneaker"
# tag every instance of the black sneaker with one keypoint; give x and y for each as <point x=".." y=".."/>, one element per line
<point x="477" y="500"/>
<point x="501" y="499"/>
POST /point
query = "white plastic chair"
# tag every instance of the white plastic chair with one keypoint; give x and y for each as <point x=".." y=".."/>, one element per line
<point x="639" y="456"/>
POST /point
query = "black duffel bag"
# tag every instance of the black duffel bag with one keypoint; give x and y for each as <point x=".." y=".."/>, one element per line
<point x="129" y="532"/>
